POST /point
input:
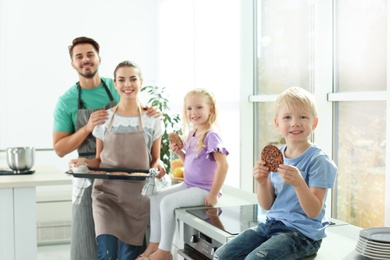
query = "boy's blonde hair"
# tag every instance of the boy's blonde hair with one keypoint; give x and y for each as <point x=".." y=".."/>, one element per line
<point x="296" y="98"/>
<point x="212" y="120"/>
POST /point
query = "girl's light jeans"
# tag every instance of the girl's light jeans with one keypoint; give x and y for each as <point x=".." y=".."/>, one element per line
<point x="271" y="240"/>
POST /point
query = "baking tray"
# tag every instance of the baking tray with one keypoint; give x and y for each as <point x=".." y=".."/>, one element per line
<point x="109" y="176"/>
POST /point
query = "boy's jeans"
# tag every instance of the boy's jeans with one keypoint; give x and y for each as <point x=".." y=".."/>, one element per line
<point x="270" y="240"/>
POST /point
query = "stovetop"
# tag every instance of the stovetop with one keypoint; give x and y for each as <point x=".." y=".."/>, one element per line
<point x="11" y="172"/>
<point x="232" y="220"/>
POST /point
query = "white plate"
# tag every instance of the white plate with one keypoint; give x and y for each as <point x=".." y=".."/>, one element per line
<point x="372" y="255"/>
<point x="381" y="234"/>
<point x="373" y="250"/>
<point x="370" y="243"/>
<point x="374" y="246"/>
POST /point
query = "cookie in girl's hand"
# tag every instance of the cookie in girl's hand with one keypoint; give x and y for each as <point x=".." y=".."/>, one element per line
<point x="272" y="157"/>
<point x="175" y="139"/>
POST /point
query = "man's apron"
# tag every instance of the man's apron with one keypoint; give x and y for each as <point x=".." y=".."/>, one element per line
<point x="119" y="209"/>
<point x="83" y="242"/>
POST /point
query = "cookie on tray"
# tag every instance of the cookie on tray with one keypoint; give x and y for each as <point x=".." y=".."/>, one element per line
<point x="272" y="157"/>
<point x="119" y="173"/>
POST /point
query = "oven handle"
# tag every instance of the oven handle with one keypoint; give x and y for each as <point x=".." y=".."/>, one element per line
<point x="183" y="254"/>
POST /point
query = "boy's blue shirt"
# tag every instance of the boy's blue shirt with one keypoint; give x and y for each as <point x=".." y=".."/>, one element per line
<point x="319" y="171"/>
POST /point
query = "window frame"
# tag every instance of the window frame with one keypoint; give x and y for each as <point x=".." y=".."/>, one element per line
<point x="324" y="91"/>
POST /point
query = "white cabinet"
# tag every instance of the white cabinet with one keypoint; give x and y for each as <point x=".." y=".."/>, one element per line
<point x="54" y="214"/>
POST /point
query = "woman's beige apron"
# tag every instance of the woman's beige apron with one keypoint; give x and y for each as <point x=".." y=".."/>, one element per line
<point x="119" y="209"/>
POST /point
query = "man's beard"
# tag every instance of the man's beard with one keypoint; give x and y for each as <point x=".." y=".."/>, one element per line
<point x="89" y="75"/>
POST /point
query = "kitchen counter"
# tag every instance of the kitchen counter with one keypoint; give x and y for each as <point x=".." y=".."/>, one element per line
<point x="231" y="197"/>
<point x="18" y="236"/>
<point x="340" y="243"/>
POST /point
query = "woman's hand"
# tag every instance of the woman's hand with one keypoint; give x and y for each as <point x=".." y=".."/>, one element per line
<point x="161" y="170"/>
<point x="159" y="165"/>
<point x="76" y="162"/>
<point x="261" y="172"/>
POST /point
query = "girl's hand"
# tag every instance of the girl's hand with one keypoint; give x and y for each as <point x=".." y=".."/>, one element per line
<point x="210" y="200"/>
<point x="290" y="175"/>
<point x="261" y="172"/>
<point x="175" y="149"/>
<point x="76" y="162"/>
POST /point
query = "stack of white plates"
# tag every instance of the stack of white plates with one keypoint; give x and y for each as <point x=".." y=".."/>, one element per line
<point x="374" y="243"/>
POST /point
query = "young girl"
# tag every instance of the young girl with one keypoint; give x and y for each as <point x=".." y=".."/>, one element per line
<point x="295" y="195"/>
<point x="204" y="157"/>
<point x="128" y="139"/>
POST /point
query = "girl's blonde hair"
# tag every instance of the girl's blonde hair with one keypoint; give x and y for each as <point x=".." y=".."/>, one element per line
<point x="212" y="120"/>
<point x="296" y="98"/>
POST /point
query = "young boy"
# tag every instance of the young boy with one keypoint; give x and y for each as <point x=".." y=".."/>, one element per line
<point x="294" y="195"/>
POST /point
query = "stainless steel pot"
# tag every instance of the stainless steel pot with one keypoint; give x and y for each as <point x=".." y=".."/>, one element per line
<point x="20" y="158"/>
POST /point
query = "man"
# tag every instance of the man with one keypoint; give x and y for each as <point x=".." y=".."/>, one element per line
<point x="76" y="114"/>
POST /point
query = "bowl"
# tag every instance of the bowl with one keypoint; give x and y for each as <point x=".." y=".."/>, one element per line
<point x="20" y="158"/>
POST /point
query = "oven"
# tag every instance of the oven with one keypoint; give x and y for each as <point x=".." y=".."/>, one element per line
<point x="210" y="228"/>
<point x="197" y="245"/>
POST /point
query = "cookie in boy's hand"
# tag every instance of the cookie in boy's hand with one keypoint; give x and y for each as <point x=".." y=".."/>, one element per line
<point x="175" y="139"/>
<point x="272" y="157"/>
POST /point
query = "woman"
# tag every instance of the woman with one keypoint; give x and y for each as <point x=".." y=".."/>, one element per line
<point x="128" y="139"/>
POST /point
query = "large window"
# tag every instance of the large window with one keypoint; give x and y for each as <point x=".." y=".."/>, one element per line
<point x="345" y="67"/>
<point x="284" y="56"/>
<point x="360" y="36"/>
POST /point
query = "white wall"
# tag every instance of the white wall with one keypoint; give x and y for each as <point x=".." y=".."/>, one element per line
<point x="35" y="64"/>
<point x="199" y="46"/>
<point x="180" y="44"/>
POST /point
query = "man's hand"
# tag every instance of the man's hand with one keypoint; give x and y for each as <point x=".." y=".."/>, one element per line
<point x="153" y="111"/>
<point x="98" y="117"/>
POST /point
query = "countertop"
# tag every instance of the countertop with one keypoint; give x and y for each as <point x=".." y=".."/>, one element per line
<point x="44" y="175"/>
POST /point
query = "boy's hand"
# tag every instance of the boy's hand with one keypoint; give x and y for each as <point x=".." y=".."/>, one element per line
<point x="290" y="175"/>
<point x="261" y="172"/>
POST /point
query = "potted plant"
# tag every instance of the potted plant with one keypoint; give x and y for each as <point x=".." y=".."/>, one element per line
<point x="157" y="97"/>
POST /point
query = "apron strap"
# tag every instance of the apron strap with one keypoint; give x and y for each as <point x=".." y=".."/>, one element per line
<point x="81" y="103"/>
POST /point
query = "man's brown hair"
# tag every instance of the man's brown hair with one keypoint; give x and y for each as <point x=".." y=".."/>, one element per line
<point x="83" y="40"/>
